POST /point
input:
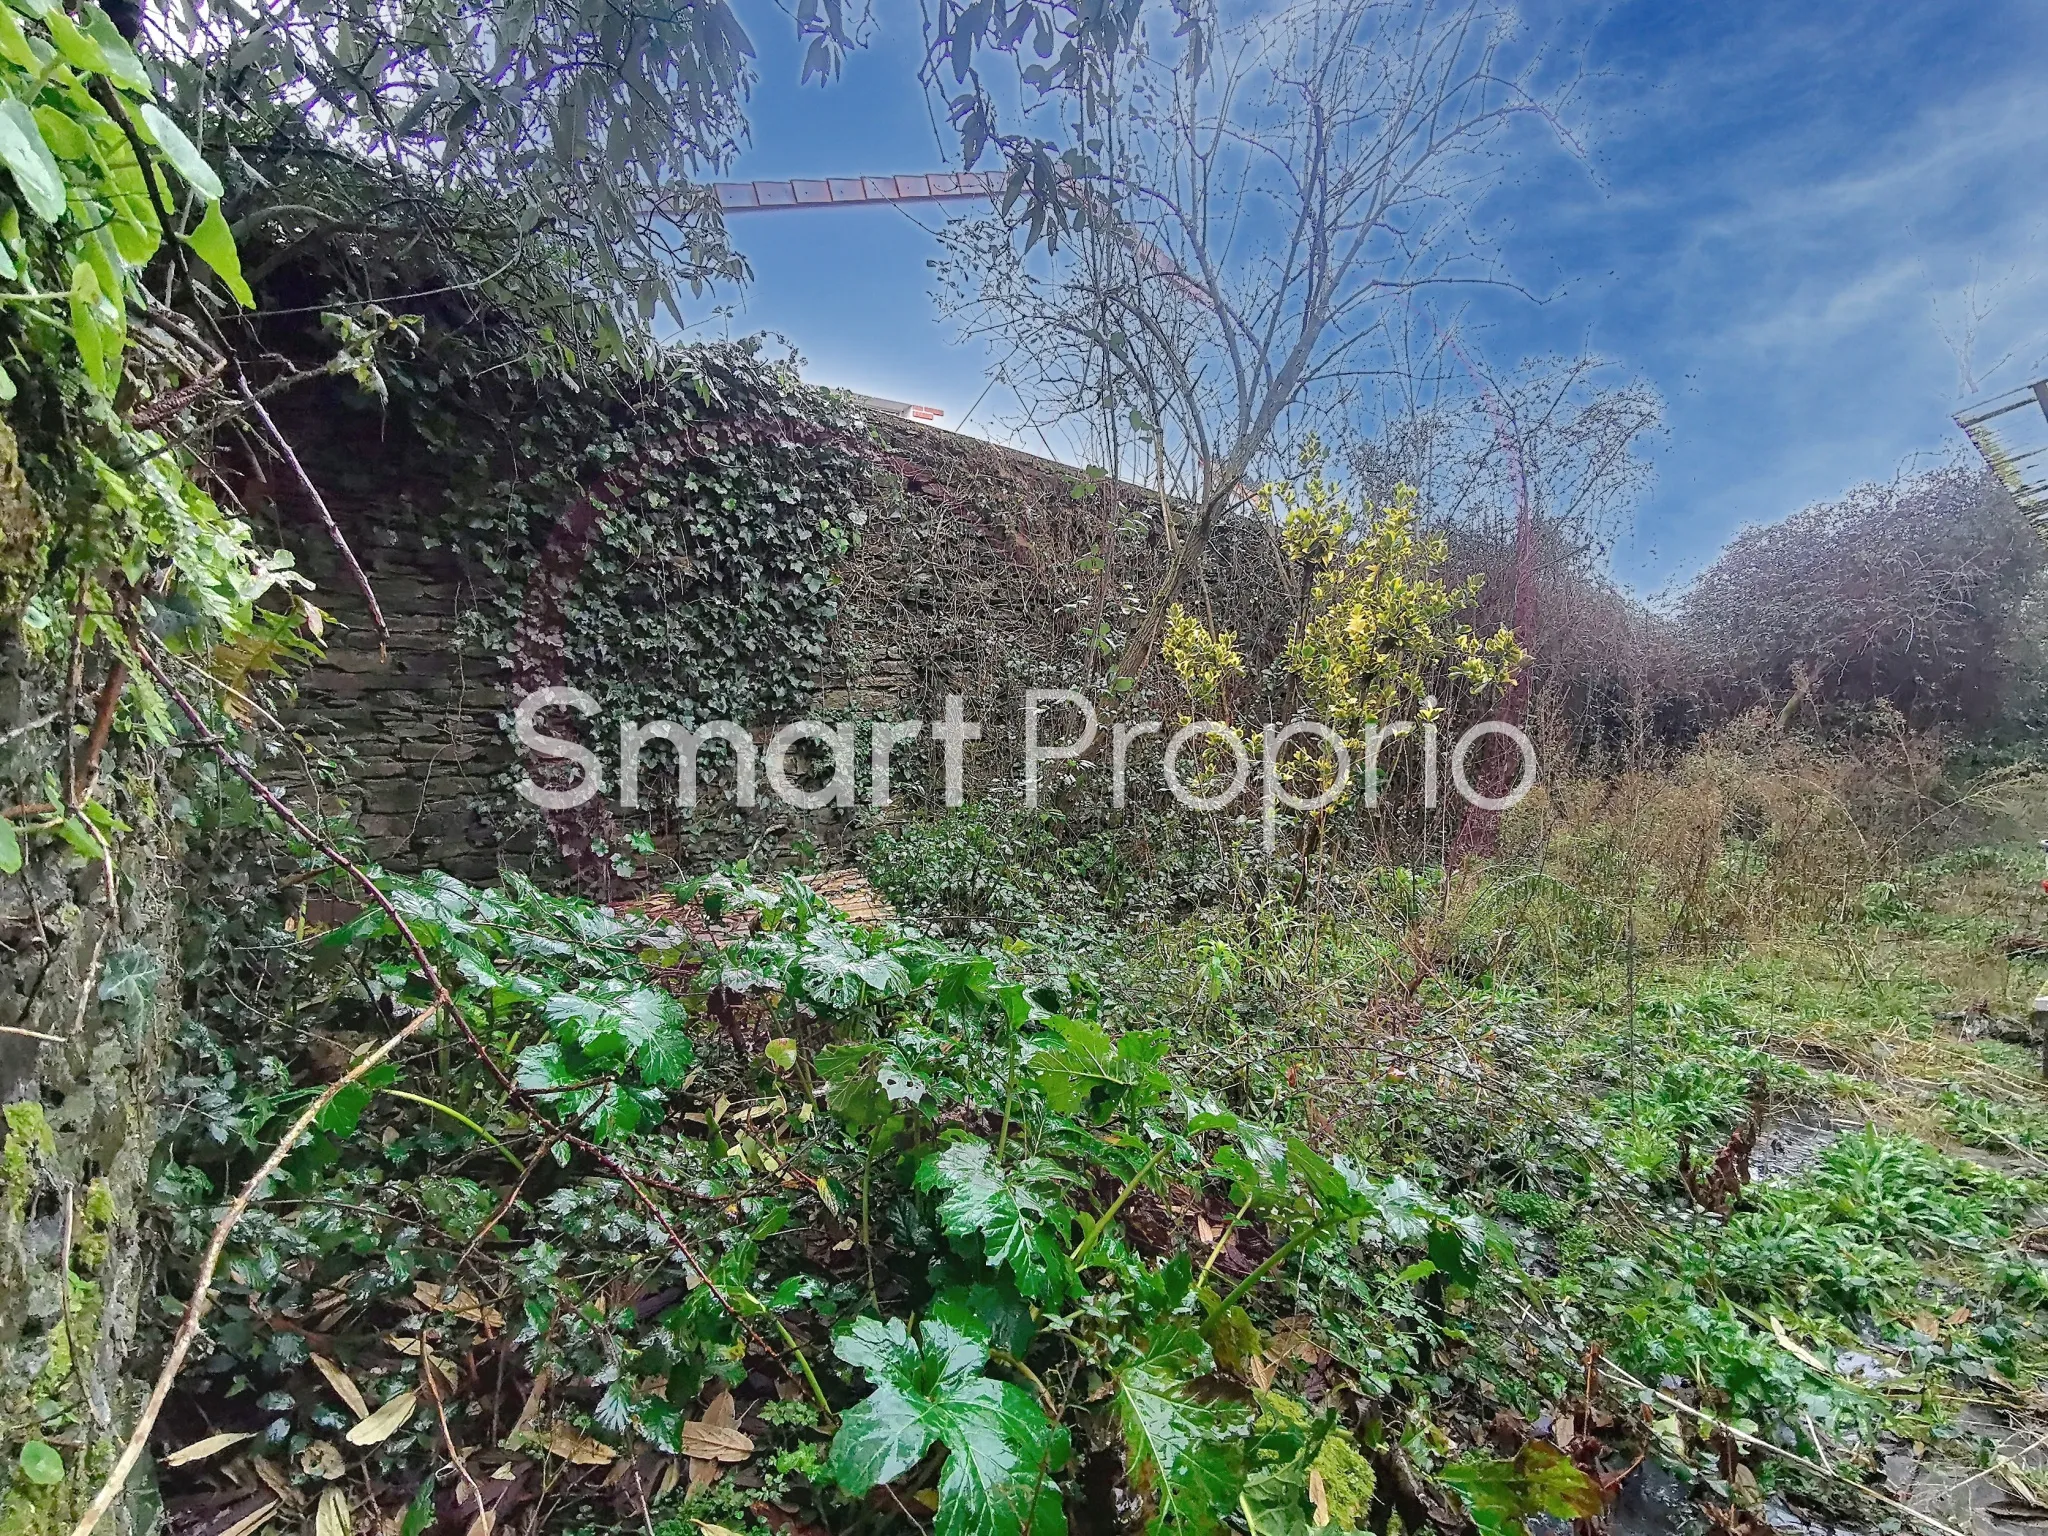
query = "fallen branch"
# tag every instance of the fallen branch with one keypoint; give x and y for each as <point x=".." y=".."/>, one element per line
<point x="1679" y="1405"/>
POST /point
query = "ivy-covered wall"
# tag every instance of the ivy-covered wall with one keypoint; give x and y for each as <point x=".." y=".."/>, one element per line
<point x="721" y="542"/>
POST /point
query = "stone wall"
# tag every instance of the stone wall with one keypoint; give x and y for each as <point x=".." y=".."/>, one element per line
<point x="88" y="1004"/>
<point x="961" y="583"/>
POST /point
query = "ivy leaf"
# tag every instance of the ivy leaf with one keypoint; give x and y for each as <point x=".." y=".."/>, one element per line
<point x="184" y="154"/>
<point x="29" y="161"/>
<point x="345" y="1110"/>
<point x="1181" y="1438"/>
<point x="130" y="979"/>
<point x="1001" y="1451"/>
<point x="14" y="46"/>
<point x="997" y="1308"/>
<point x="851" y="1091"/>
<point x="666" y="1059"/>
<point x="545" y="1066"/>
<point x="419" y="1514"/>
<point x="214" y="244"/>
<point x="1018" y="1225"/>
<point x="839" y="975"/>
<point x="1541" y="1480"/>
<point x="549" y="1066"/>
<point x="617" y="1110"/>
<point x="644" y="1024"/>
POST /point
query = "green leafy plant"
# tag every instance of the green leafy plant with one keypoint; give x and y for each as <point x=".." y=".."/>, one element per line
<point x="1001" y="1453"/>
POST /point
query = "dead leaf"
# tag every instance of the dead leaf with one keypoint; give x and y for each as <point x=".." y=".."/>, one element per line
<point x="2009" y="1475"/>
<point x="271" y="1475"/>
<point x="344" y="1388"/>
<point x="248" y="1523"/>
<point x="322" y="1459"/>
<point x="199" y="1450"/>
<point x="720" y="1412"/>
<point x="1261" y="1374"/>
<point x="480" y="1526"/>
<point x="1293" y="1338"/>
<point x="708" y="1529"/>
<point x="1803" y="1356"/>
<point x="1318" y="1497"/>
<point x="331" y="1518"/>
<point x="1748" y="1494"/>
<point x="530" y="1409"/>
<point x="464" y="1303"/>
<point x="712" y="1442"/>
<point x="573" y="1446"/>
<point x="385" y="1422"/>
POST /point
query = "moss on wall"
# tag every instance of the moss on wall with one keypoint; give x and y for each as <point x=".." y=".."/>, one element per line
<point x="89" y="1015"/>
<point x="24" y="529"/>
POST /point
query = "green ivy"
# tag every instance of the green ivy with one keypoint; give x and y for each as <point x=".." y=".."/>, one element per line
<point x="686" y="523"/>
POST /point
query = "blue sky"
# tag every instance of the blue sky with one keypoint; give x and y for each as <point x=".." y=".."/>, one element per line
<point x="1786" y="218"/>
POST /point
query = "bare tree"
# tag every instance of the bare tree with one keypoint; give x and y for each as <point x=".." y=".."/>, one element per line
<point x="1251" y="204"/>
<point x="1565" y="433"/>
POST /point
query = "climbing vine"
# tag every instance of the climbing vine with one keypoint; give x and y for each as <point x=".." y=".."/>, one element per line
<point x="668" y="542"/>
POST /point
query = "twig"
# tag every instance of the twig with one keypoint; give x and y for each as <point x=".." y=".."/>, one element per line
<point x="161" y="408"/>
<point x="202" y="1288"/>
<point x="64" y="1283"/>
<point x="30" y="1034"/>
<point x="1088" y="1239"/>
<point x="2003" y="1461"/>
<point x="1222" y="1238"/>
<point x="427" y="1375"/>
<point x="102" y="725"/>
<point x="73" y="675"/>
<point x="33" y="725"/>
<point x="334" y="533"/>
<point x="1678" y="1405"/>
<point x="504" y="1206"/>
<point x="91" y="978"/>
